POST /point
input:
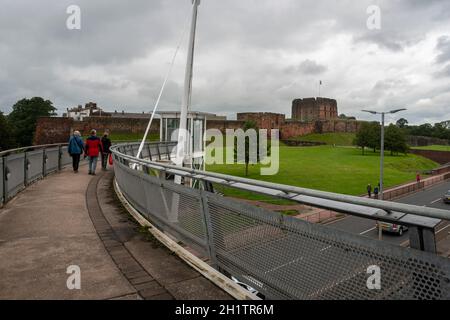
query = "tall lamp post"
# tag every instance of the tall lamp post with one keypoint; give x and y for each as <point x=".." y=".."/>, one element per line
<point x="382" y="152"/>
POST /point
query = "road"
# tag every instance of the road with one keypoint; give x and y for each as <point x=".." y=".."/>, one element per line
<point x="430" y="197"/>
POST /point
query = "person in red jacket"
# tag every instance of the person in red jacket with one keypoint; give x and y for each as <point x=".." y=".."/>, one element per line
<point x="92" y="148"/>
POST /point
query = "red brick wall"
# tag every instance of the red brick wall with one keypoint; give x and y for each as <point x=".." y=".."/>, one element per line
<point x="58" y="129"/>
<point x="441" y="157"/>
<point x="55" y="130"/>
<point x="120" y="125"/>
<point x="264" y="120"/>
<point x="296" y="128"/>
<point x="52" y="130"/>
<point x="222" y="125"/>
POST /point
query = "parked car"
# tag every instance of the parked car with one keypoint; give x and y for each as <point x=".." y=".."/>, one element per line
<point x="446" y="197"/>
<point x="392" y="228"/>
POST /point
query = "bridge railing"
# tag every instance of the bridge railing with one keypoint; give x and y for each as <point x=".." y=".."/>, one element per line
<point x="281" y="256"/>
<point x="23" y="166"/>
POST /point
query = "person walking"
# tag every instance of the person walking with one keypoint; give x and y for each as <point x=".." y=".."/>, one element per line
<point x="418" y="179"/>
<point x="106" y="144"/>
<point x="369" y="190"/>
<point x="75" y="149"/>
<point x="92" y="148"/>
<point x="375" y="192"/>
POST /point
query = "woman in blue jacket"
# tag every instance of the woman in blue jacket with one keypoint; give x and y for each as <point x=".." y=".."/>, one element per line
<point x="76" y="148"/>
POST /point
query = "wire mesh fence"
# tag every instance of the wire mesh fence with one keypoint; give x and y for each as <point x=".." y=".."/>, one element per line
<point x="280" y="256"/>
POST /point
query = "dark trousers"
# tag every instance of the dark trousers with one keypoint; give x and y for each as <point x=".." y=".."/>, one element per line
<point x="105" y="157"/>
<point x="75" y="161"/>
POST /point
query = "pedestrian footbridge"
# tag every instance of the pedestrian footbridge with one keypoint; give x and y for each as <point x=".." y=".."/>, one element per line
<point x="55" y="222"/>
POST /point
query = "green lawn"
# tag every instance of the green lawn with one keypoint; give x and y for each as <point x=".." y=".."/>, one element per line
<point x="339" y="139"/>
<point x="336" y="169"/>
<point x="433" y="148"/>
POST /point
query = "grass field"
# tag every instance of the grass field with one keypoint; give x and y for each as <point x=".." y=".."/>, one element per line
<point x="339" y="139"/>
<point x="335" y="169"/>
<point x="433" y="148"/>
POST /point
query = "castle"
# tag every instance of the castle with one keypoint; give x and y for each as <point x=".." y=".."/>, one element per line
<point x="309" y="115"/>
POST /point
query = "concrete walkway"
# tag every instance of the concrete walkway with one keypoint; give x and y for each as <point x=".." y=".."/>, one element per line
<point x="53" y="225"/>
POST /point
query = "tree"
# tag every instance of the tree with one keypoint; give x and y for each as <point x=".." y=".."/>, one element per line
<point x="402" y="123"/>
<point x="395" y="140"/>
<point x="250" y="125"/>
<point x="6" y="134"/>
<point x="24" y="116"/>
<point x="368" y="136"/>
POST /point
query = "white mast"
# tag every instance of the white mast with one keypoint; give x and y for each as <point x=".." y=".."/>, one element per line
<point x="183" y="148"/>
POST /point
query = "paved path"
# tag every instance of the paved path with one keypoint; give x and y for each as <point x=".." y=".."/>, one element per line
<point x="53" y="225"/>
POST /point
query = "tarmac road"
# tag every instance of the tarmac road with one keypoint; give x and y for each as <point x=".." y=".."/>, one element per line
<point x="430" y="197"/>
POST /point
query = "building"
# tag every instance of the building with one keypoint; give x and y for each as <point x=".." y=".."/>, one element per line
<point x="130" y="115"/>
<point x="79" y="113"/>
<point x="313" y="109"/>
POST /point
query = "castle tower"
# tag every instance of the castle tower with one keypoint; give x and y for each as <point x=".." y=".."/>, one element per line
<point x="313" y="109"/>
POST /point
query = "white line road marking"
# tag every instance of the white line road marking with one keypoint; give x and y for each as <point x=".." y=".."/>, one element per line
<point x="367" y="231"/>
<point x="443" y="229"/>
<point x="436" y="200"/>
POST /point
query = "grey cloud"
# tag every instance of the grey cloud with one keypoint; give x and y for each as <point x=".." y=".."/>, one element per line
<point x="250" y="54"/>
<point x="443" y="47"/>
<point x="311" y="67"/>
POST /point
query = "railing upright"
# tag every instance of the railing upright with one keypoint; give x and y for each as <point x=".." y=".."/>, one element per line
<point x="60" y="153"/>
<point x="44" y="162"/>
<point x="208" y="228"/>
<point x="25" y="169"/>
<point x="4" y="180"/>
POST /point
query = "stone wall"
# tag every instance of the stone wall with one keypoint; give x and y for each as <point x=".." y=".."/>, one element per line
<point x="52" y="130"/>
<point x="57" y="129"/>
<point x="117" y="125"/>
<point x="222" y="125"/>
<point x="441" y="157"/>
<point x="264" y="120"/>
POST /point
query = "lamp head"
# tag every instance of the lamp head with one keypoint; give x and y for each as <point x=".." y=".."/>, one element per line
<point x="370" y="111"/>
<point x="397" y="110"/>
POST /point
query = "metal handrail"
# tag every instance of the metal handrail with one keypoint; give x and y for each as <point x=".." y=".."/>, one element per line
<point x="5" y="196"/>
<point x="290" y="192"/>
<point x="24" y="149"/>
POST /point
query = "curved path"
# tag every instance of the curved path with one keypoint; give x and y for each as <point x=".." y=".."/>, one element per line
<point x="72" y="219"/>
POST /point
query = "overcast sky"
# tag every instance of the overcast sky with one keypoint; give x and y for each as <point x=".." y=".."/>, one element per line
<point x="251" y="55"/>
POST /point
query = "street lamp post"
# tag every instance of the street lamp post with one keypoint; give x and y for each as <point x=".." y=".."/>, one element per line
<point x="382" y="153"/>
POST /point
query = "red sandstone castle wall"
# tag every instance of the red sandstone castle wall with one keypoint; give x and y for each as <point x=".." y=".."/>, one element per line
<point x="57" y="130"/>
<point x="52" y="130"/>
<point x="264" y="120"/>
<point x="222" y="125"/>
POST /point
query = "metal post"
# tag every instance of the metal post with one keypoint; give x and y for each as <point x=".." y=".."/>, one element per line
<point x="44" y="163"/>
<point x="149" y="152"/>
<point x="5" y="181"/>
<point x="380" y="229"/>
<point x="382" y="156"/>
<point x="208" y="229"/>
<point x="60" y="157"/>
<point x="25" y="169"/>
<point x="182" y="138"/>
<point x="423" y="239"/>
